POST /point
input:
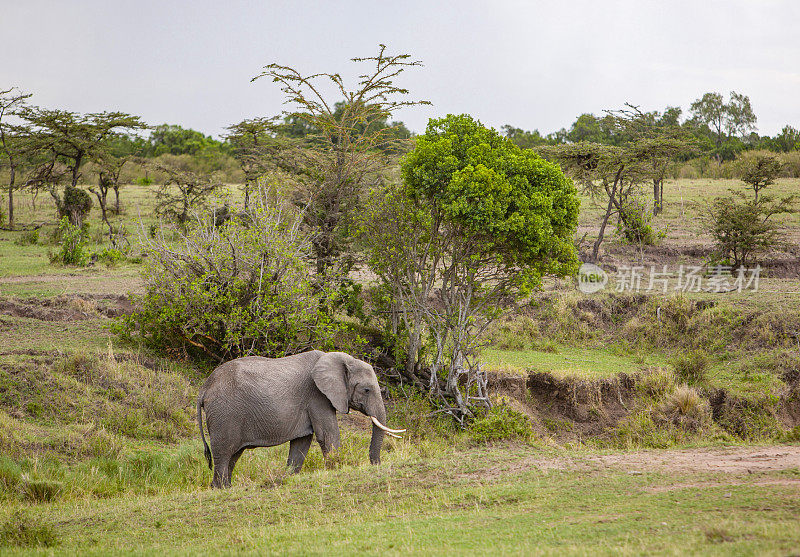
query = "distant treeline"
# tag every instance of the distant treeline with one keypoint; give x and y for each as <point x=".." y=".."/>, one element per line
<point x="721" y="131"/>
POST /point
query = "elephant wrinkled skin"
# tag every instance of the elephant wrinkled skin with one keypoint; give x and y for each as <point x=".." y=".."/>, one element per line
<point x="262" y="402"/>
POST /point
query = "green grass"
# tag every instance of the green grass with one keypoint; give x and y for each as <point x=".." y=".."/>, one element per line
<point x="448" y="503"/>
<point x="86" y="336"/>
<point x="571" y="361"/>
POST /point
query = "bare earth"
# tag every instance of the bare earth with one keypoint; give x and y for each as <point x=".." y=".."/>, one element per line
<point x="740" y="464"/>
<point x="733" y="460"/>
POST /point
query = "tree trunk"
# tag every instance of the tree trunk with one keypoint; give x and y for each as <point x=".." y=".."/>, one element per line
<point x="102" y="197"/>
<point x="116" y="200"/>
<point x="657" y="187"/>
<point x="606" y="217"/>
<point x="11" y="180"/>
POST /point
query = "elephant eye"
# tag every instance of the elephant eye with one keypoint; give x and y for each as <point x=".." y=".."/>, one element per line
<point x="366" y="389"/>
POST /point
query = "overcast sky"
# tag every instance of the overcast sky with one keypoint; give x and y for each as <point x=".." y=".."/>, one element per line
<point x="529" y="64"/>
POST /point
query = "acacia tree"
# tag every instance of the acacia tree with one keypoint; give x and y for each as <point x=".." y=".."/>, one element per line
<point x="477" y="222"/>
<point x="11" y="140"/>
<point x="759" y="170"/>
<point x="108" y="169"/>
<point x="251" y="139"/>
<point x="342" y="151"/>
<point x="74" y="139"/>
<point x="654" y="138"/>
<point x="613" y="176"/>
<point x="193" y="189"/>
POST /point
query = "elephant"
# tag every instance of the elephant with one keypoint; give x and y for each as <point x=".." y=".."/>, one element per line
<point x="263" y="402"/>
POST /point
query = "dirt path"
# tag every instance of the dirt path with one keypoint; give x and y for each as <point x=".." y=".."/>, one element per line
<point x="732" y="461"/>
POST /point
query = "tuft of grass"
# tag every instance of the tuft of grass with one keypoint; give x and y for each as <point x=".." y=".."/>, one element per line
<point x="692" y="367"/>
<point x="38" y="491"/>
<point x="655" y="382"/>
<point x="685" y="408"/>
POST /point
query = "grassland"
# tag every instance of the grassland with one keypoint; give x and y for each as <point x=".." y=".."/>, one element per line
<point x="98" y="450"/>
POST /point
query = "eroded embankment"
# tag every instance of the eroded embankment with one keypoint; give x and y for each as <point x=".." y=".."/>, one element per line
<point x="573" y="408"/>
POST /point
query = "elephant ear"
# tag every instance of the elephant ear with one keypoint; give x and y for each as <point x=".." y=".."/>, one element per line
<point x="330" y="376"/>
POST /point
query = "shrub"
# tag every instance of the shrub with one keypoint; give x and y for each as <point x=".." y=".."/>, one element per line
<point x="500" y="423"/>
<point x="73" y="240"/>
<point x="109" y="256"/>
<point x="75" y="205"/>
<point x="23" y="531"/>
<point x="634" y="223"/>
<point x="28" y="238"/>
<point x="232" y="290"/>
<point x="791" y="164"/>
<point x="692" y="367"/>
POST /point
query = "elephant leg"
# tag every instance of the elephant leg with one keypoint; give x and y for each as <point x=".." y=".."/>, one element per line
<point x="298" y="449"/>
<point x="330" y="444"/>
<point x="222" y="476"/>
<point x="231" y="463"/>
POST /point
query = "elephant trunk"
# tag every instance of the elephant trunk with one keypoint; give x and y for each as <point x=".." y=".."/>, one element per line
<point x="377" y="434"/>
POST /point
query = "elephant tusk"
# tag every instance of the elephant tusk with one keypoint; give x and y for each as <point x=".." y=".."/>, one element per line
<point x="378" y="423"/>
<point x="393" y="435"/>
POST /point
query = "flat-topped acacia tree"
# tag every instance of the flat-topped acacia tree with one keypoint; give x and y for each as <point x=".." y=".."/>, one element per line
<point x="12" y="102"/>
<point x="73" y="139"/>
<point x="476" y="223"/>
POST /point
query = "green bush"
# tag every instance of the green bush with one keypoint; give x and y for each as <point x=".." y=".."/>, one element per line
<point x="634" y="223"/>
<point x="231" y="290"/>
<point x="692" y="367"/>
<point x="28" y="238"/>
<point x="73" y="240"/>
<point x="75" y="205"/>
<point x="500" y="423"/>
<point x="109" y="256"/>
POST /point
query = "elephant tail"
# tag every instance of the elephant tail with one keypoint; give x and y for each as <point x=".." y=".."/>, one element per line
<point x="207" y="451"/>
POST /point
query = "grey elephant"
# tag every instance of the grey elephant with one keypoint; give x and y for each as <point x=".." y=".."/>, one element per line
<point x="262" y="402"/>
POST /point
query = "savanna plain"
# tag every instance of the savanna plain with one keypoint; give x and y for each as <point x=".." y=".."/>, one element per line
<point x="624" y="422"/>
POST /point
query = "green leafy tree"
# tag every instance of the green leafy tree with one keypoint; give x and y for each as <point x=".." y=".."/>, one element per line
<point x="711" y="110"/>
<point x="725" y="123"/>
<point x="787" y="140"/>
<point x="529" y="140"/>
<point x="759" y="169"/>
<point x="477" y="222"/>
<point x="175" y="140"/>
